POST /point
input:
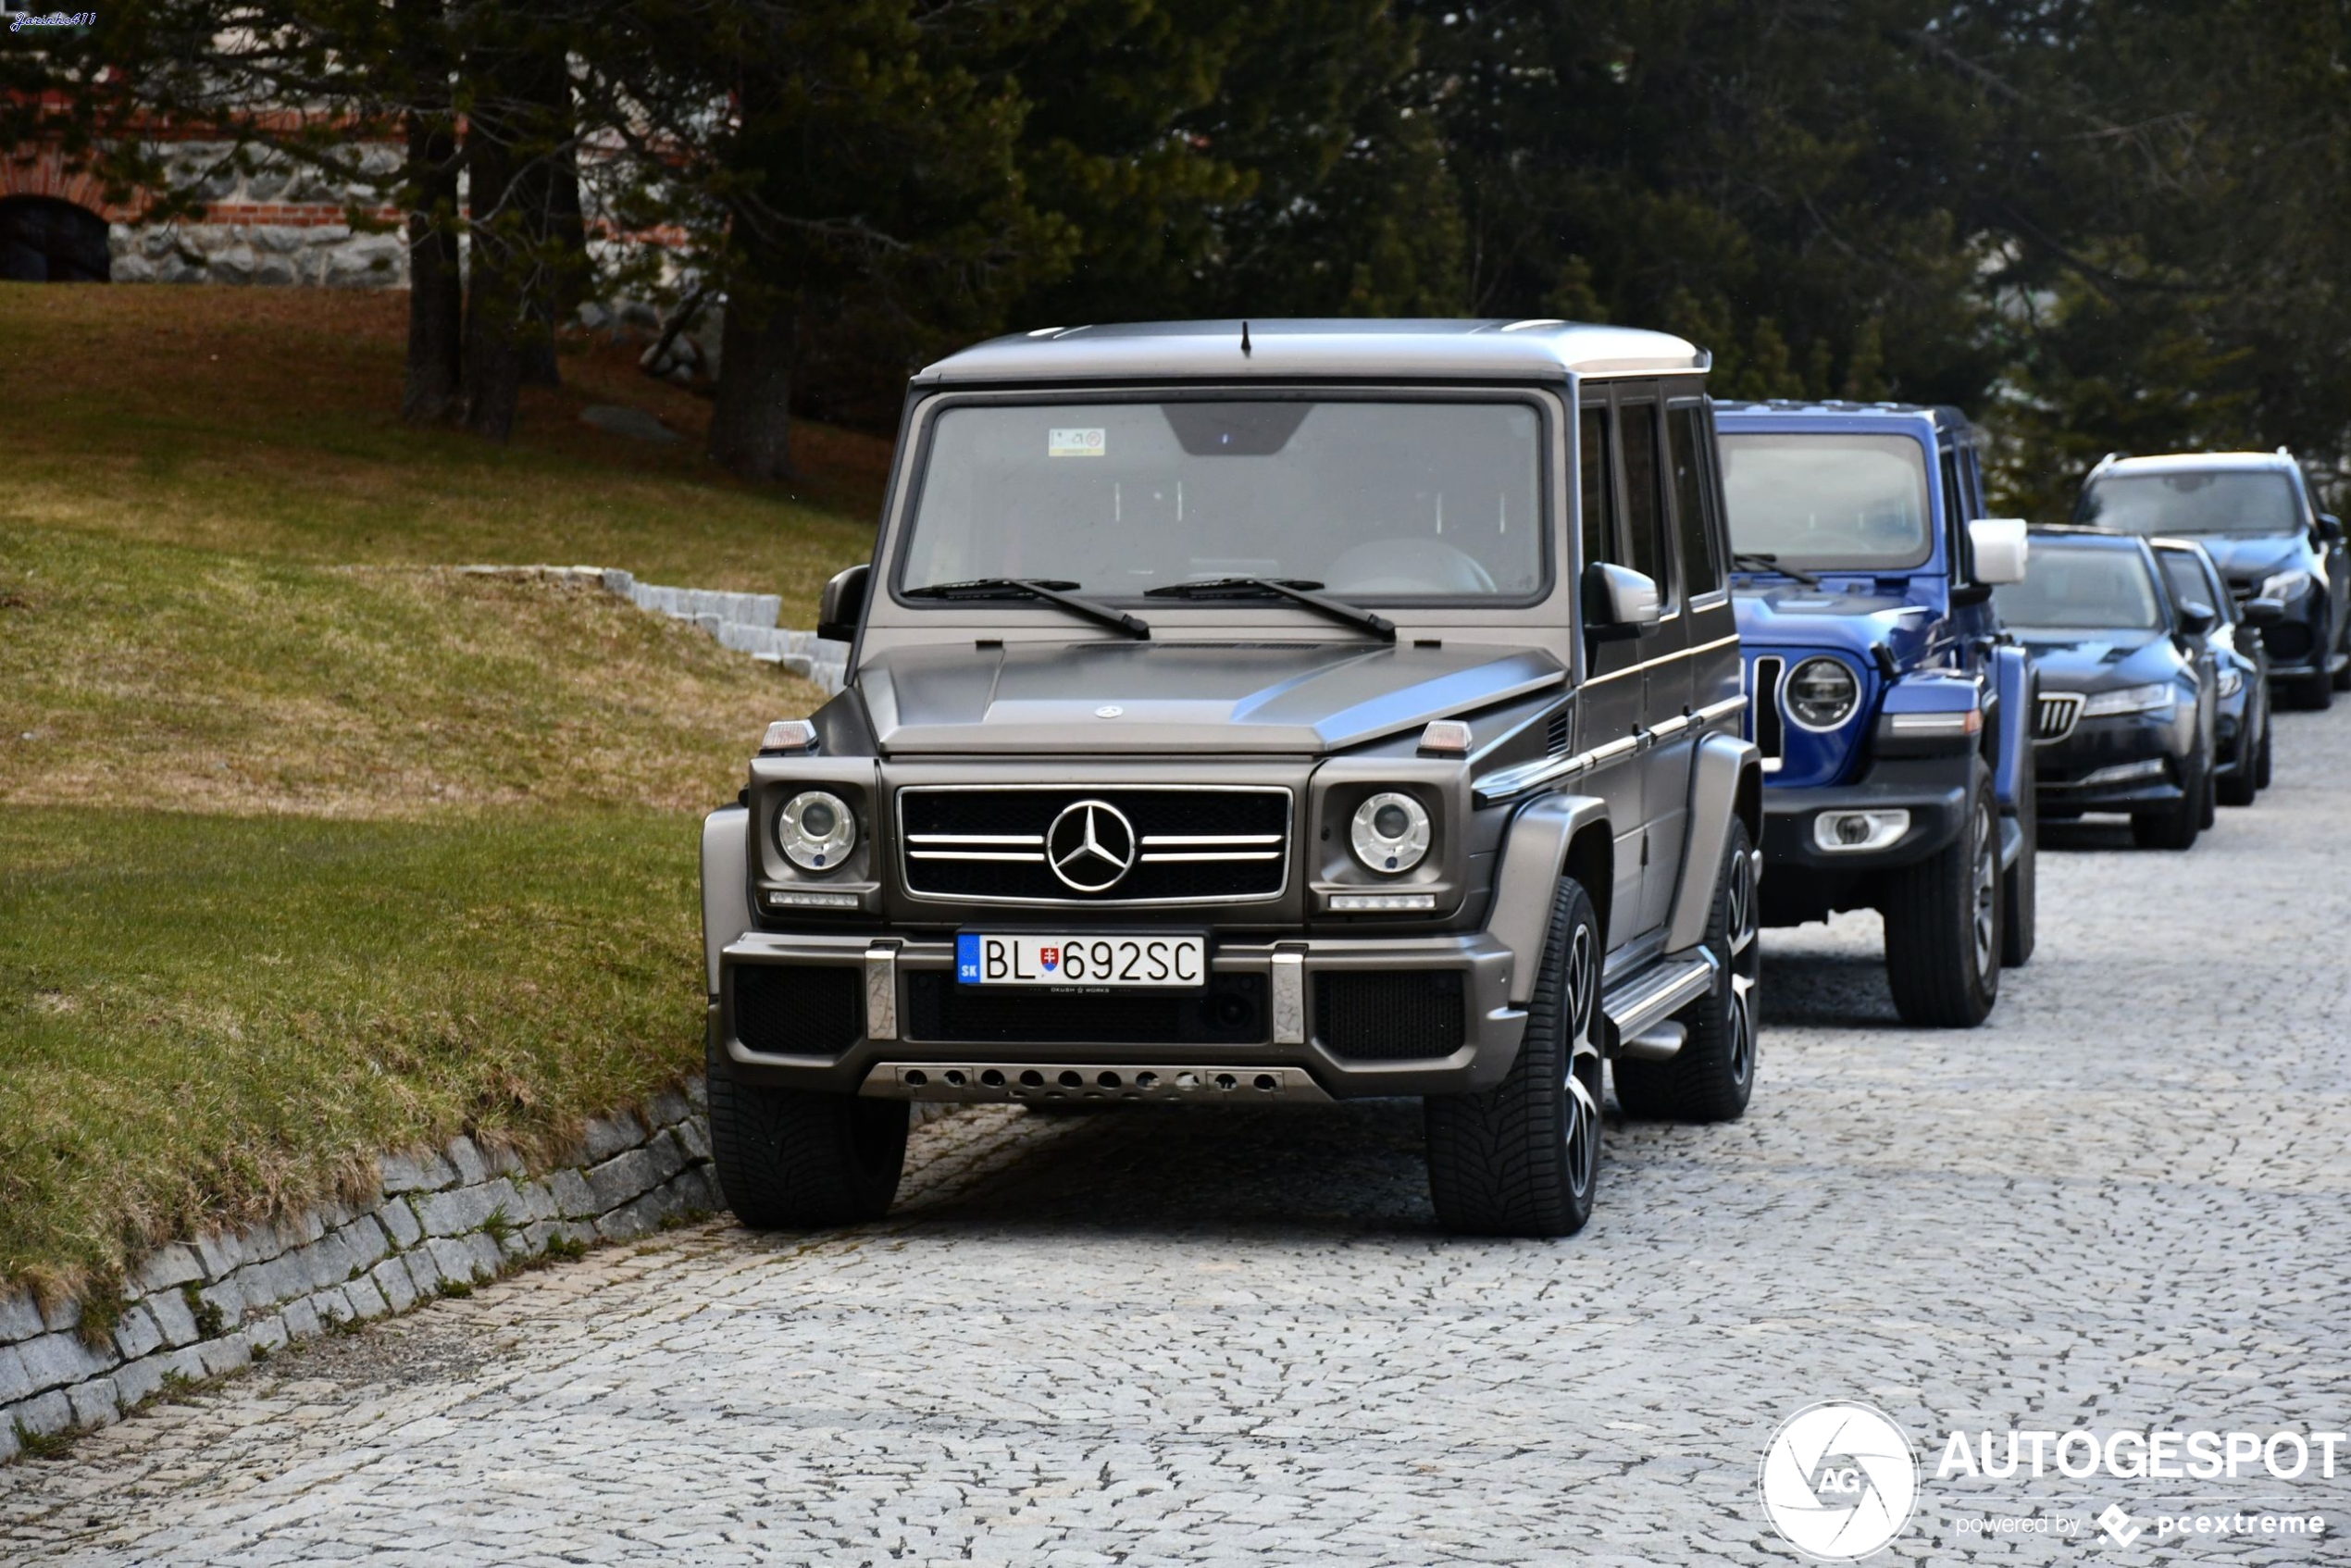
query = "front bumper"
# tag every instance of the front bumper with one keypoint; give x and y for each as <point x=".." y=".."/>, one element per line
<point x="2125" y="762"/>
<point x="2303" y="644"/>
<point x="897" y="1021"/>
<point x="1933" y="790"/>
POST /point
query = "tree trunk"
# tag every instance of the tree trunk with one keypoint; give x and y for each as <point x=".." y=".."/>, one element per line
<point x="435" y="301"/>
<point x="559" y="236"/>
<point x="493" y="305"/>
<point x="750" y="426"/>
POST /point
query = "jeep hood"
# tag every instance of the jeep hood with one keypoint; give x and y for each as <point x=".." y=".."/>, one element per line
<point x="1104" y="698"/>
<point x="1791" y="615"/>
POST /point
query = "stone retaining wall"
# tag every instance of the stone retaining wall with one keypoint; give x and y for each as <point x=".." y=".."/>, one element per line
<point x="440" y="1222"/>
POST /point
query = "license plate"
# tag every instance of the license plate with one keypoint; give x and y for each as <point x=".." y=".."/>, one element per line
<point x="1107" y="963"/>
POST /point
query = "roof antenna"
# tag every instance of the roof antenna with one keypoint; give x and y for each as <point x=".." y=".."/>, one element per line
<point x="1244" y="340"/>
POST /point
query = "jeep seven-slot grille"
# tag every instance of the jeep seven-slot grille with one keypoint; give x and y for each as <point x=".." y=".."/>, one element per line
<point x="1771" y="732"/>
<point x="1212" y="845"/>
<point x="2054" y="718"/>
<point x="1230" y="1010"/>
<point x="1368" y="1016"/>
<point x="798" y="1010"/>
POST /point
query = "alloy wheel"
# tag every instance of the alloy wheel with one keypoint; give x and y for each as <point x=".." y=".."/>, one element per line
<point x="1583" y="1118"/>
<point x="1987" y="891"/>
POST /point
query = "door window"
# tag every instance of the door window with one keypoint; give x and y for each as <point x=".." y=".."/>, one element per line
<point x="1701" y="573"/>
<point x="1644" y="496"/>
<point x="1599" y="494"/>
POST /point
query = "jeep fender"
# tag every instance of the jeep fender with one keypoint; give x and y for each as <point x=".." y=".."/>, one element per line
<point x="726" y="884"/>
<point x="2011" y="742"/>
<point x="1533" y="858"/>
<point x="1724" y="773"/>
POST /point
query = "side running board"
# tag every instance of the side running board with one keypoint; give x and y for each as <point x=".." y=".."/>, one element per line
<point x="1641" y="1003"/>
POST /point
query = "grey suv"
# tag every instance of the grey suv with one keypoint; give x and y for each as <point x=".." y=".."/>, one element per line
<point x="1252" y="715"/>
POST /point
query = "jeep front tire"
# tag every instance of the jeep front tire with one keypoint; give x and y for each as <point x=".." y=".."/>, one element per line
<point x="1524" y="1157"/>
<point x="1943" y="924"/>
<point x="796" y="1160"/>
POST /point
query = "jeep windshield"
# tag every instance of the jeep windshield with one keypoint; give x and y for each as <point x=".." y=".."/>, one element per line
<point x="1827" y="502"/>
<point x="2212" y="502"/>
<point x="1366" y="499"/>
<point x="2082" y="588"/>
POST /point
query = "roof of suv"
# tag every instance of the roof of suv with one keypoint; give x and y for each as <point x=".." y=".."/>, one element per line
<point x="2195" y="462"/>
<point x="1945" y="419"/>
<point x="1292" y="349"/>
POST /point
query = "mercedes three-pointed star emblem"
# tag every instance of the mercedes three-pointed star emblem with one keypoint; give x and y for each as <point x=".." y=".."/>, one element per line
<point x="1090" y="846"/>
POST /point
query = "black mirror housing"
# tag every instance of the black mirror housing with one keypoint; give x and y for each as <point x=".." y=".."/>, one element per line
<point x="2330" y="528"/>
<point x="2258" y="612"/>
<point x="2197" y="619"/>
<point x="843" y="604"/>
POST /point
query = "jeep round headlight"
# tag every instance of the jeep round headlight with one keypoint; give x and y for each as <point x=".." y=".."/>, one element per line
<point x="816" y="830"/>
<point x="1822" y="693"/>
<point x="1390" y="833"/>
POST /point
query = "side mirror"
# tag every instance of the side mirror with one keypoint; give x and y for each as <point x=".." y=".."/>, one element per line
<point x="1620" y="602"/>
<point x="2001" y="546"/>
<point x="2330" y="528"/>
<point x="843" y="604"/>
<point x="2197" y="619"/>
<point x="2258" y="612"/>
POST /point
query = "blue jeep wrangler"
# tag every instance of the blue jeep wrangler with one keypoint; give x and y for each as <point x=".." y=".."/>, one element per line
<point x="1894" y="716"/>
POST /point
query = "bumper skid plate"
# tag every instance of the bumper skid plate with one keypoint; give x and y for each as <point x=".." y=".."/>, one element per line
<point x="1068" y="1081"/>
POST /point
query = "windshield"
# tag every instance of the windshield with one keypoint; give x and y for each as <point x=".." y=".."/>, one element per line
<point x="1828" y="502"/>
<point x="2082" y="588"/>
<point x="1372" y="500"/>
<point x="2189" y="585"/>
<point x="2222" y="502"/>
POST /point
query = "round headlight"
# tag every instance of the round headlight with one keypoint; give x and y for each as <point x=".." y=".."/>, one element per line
<point x="1822" y="693"/>
<point x="1390" y="832"/>
<point x="816" y="830"/>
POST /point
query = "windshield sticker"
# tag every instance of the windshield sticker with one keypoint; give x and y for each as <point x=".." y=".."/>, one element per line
<point x="1074" y="443"/>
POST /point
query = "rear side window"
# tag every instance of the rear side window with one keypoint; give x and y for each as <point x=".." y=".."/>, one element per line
<point x="1600" y="513"/>
<point x="1644" y="500"/>
<point x="1701" y="573"/>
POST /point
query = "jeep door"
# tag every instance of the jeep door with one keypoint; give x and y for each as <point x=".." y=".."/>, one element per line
<point x="1665" y="666"/>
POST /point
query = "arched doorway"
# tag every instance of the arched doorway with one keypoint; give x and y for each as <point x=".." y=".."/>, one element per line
<point x="43" y="240"/>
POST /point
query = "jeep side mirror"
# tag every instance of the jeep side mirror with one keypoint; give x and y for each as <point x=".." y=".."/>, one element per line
<point x="2258" y="612"/>
<point x="2330" y="528"/>
<point x="1620" y="602"/>
<point x="843" y="604"/>
<point x="2000" y="547"/>
<point x="2197" y="619"/>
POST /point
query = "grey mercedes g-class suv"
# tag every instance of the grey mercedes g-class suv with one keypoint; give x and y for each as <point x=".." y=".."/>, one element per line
<point x="1248" y="715"/>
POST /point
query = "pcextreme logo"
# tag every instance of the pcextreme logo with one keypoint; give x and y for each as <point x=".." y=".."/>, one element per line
<point x="1839" y="1480"/>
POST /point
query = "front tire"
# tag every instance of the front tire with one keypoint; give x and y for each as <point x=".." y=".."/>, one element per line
<point x="1943" y="925"/>
<point x="2019" y="887"/>
<point x="2268" y="734"/>
<point x="793" y="1159"/>
<point x="2175" y="826"/>
<point x="1710" y="1079"/>
<point x="2240" y="784"/>
<point x="1524" y="1157"/>
<point x="2312" y="694"/>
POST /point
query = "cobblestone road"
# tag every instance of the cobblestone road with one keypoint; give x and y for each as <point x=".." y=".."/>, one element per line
<point x="1208" y="1338"/>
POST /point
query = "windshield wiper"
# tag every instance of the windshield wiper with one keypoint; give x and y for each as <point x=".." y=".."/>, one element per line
<point x="1299" y="591"/>
<point x="1053" y="590"/>
<point x="1771" y="563"/>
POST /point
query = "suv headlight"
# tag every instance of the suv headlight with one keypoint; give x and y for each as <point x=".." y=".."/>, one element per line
<point x="1822" y="693"/>
<point x="2290" y="584"/>
<point x="1389" y="833"/>
<point x="2231" y="681"/>
<point x="2157" y="697"/>
<point x="816" y="830"/>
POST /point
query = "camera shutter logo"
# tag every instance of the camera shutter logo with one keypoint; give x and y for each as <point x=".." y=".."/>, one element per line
<point x="1839" y="1480"/>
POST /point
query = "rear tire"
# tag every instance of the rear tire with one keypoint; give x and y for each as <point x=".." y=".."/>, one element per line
<point x="1943" y="925"/>
<point x="2019" y="887"/>
<point x="1712" y="1077"/>
<point x="1524" y="1157"/>
<point x="792" y="1159"/>
<point x="2175" y="826"/>
<point x="2210" y="812"/>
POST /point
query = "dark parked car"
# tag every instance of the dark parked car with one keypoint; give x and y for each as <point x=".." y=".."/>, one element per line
<point x="1894" y="720"/>
<point x="1252" y="715"/>
<point x="2252" y="512"/>
<point x="2240" y="768"/>
<point x="2128" y="711"/>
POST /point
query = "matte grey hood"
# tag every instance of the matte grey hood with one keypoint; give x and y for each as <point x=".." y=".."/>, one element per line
<point x="1106" y="698"/>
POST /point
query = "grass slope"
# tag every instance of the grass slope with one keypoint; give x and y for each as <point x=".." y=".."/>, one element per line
<point x="309" y="845"/>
